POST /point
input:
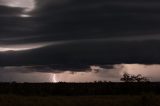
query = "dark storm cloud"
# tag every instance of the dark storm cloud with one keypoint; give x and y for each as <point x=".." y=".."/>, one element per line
<point x="84" y="54"/>
<point x="98" y="19"/>
<point x="57" y="68"/>
<point x="8" y="11"/>
<point x="78" y="19"/>
<point x="8" y="16"/>
<point x="92" y="32"/>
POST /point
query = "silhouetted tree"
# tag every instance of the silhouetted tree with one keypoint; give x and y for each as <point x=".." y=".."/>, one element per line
<point x="134" y="78"/>
<point x="127" y="78"/>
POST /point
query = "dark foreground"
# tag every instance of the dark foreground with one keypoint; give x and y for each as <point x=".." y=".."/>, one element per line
<point x="79" y="89"/>
<point x="119" y="100"/>
<point x="80" y="94"/>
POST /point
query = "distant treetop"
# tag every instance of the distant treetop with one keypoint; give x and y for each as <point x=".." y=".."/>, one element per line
<point x="134" y="78"/>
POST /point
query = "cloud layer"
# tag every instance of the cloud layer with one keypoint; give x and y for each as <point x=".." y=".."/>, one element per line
<point x="90" y="32"/>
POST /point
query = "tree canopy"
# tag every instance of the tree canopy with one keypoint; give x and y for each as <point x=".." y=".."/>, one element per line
<point x="134" y="78"/>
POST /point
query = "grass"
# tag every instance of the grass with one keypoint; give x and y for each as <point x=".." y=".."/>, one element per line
<point x="114" y="100"/>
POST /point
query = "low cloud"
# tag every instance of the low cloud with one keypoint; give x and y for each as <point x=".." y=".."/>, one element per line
<point x="92" y="33"/>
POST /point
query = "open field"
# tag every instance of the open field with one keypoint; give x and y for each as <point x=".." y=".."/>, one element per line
<point x="80" y="94"/>
<point x="121" y="100"/>
<point x="78" y="89"/>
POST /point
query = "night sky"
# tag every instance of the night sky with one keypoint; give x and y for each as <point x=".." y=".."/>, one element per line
<point x="79" y="37"/>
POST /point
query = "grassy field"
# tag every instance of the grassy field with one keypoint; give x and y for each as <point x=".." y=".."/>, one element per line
<point x="121" y="100"/>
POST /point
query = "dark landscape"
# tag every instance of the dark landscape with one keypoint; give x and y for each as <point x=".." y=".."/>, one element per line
<point x="108" y="100"/>
<point x="79" y="89"/>
<point x="78" y="94"/>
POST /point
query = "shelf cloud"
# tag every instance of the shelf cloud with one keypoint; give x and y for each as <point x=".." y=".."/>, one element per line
<point x="86" y="32"/>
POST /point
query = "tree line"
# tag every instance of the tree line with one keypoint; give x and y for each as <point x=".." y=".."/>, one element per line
<point x="134" y="78"/>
